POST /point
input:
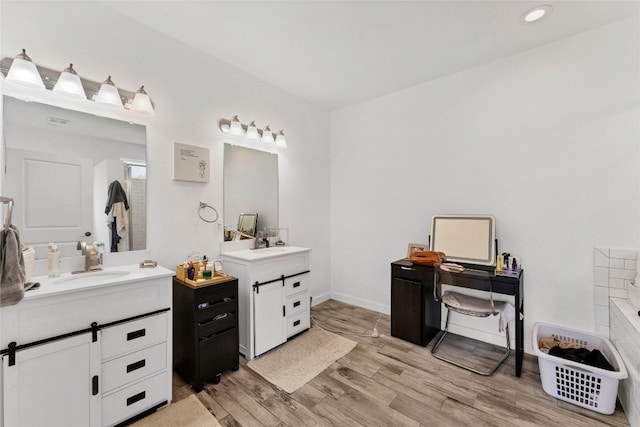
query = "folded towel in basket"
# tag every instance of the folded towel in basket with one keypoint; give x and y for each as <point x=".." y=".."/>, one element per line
<point x="12" y="271"/>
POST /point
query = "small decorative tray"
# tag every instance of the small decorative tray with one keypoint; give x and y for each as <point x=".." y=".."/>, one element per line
<point x="218" y="278"/>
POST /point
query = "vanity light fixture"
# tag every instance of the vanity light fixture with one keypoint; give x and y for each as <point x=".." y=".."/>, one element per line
<point x="23" y="71"/>
<point x="252" y="133"/>
<point x="280" y="141"/>
<point x="142" y="103"/>
<point x="536" y="13"/>
<point x="69" y="84"/>
<point x="108" y="94"/>
<point x="267" y="136"/>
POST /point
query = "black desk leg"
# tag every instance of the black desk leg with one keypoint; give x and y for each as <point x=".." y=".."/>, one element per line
<point x="519" y="329"/>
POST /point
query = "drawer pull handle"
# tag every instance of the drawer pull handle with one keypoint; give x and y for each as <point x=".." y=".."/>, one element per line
<point x="296" y="284"/>
<point x="297" y="303"/>
<point x="220" y="316"/>
<point x="407" y="268"/>
<point x="136" y="365"/>
<point x="136" y="334"/>
<point x="94" y="385"/>
<point x="296" y="323"/>
<point x="136" y="398"/>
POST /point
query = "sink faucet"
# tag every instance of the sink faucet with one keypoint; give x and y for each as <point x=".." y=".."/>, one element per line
<point x="260" y="241"/>
<point x="92" y="255"/>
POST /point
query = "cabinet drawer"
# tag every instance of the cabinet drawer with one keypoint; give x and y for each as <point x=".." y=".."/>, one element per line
<point x="212" y="309"/>
<point x="296" y="284"/>
<point x="218" y="354"/>
<point x="297" y="323"/>
<point x="131" y="336"/>
<point x="297" y="303"/>
<point x="417" y="274"/>
<point x="222" y="322"/>
<point x="216" y="293"/>
<point x="132" y="367"/>
<point x="134" y="399"/>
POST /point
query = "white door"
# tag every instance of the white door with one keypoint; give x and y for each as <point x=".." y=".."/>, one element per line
<point x="269" y="324"/>
<point x="53" y="196"/>
<point x="52" y="384"/>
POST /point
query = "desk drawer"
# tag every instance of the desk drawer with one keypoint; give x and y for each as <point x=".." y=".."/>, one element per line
<point x="134" y="335"/>
<point x="416" y="274"/>
<point x="132" y="367"/>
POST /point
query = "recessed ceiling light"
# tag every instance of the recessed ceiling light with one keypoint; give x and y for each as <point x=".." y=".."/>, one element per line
<point x="535" y="14"/>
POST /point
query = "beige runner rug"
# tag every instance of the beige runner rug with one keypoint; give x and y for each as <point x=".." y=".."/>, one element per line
<point x="298" y="361"/>
<point x="188" y="412"/>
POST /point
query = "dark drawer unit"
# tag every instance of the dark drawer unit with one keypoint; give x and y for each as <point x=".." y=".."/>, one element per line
<point x="205" y="331"/>
<point x="415" y="315"/>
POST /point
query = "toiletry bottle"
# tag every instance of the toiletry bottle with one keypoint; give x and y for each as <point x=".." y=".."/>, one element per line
<point x="53" y="260"/>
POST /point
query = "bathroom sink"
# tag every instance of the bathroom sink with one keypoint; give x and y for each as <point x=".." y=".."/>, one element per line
<point x="273" y="249"/>
<point x="93" y="277"/>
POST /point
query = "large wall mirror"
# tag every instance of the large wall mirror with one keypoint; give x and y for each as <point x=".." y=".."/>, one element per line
<point x="250" y="187"/>
<point x="70" y="174"/>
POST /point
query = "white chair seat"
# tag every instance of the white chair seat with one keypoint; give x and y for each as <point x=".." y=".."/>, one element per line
<point x="467" y="303"/>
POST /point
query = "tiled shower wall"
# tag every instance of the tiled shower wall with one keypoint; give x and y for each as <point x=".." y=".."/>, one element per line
<point x="613" y="270"/>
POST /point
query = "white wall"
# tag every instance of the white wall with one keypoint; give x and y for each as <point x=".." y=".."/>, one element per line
<point x="546" y="140"/>
<point x="191" y="92"/>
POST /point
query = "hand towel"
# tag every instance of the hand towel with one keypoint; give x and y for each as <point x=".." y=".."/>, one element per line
<point x="12" y="271"/>
<point x="507" y="314"/>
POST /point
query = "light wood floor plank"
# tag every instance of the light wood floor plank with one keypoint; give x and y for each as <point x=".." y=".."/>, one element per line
<point x="390" y="382"/>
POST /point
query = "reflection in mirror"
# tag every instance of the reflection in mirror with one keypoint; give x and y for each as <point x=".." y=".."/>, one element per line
<point x="247" y="223"/>
<point x="60" y="168"/>
<point x="250" y="185"/>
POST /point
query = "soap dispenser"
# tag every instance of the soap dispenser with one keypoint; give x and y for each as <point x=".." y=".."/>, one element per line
<point x="53" y="258"/>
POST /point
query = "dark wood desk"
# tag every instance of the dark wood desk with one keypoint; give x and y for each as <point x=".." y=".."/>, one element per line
<point x="415" y="314"/>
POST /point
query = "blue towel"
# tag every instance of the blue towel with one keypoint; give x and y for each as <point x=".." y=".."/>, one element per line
<point x="12" y="271"/>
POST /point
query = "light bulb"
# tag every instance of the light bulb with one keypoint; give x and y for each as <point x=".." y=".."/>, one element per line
<point x="235" y="128"/>
<point x="142" y="103"/>
<point x="252" y="131"/>
<point x="24" y="72"/>
<point x="69" y="84"/>
<point x="267" y="136"/>
<point x="108" y="94"/>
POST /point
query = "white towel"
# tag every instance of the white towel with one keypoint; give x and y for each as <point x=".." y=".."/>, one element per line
<point x="507" y="314"/>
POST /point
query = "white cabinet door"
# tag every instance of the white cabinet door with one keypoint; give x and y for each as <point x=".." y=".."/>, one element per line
<point x="52" y="384"/>
<point x="268" y="307"/>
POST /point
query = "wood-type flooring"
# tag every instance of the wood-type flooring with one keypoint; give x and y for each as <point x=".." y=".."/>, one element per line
<point x="386" y="381"/>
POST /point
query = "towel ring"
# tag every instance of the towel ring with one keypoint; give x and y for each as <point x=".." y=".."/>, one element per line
<point x="206" y="206"/>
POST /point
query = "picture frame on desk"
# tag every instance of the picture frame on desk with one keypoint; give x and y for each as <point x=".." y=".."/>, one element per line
<point x="415" y="247"/>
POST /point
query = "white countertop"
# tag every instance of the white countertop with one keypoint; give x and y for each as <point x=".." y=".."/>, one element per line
<point x="264" y="253"/>
<point x="109" y="276"/>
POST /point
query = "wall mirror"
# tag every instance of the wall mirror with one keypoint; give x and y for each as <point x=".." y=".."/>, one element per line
<point x="465" y="238"/>
<point x="250" y="186"/>
<point x="60" y="166"/>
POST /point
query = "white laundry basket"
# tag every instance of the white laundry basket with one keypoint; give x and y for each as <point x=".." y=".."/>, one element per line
<point x="583" y="385"/>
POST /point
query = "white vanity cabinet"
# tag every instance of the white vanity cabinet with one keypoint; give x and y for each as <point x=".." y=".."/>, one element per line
<point x="50" y="384"/>
<point x="87" y="353"/>
<point x="274" y="298"/>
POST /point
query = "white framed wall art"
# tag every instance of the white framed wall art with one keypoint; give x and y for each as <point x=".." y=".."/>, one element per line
<point x="191" y="163"/>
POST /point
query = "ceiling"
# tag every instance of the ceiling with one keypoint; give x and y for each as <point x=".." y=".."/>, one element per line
<point x="338" y="53"/>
